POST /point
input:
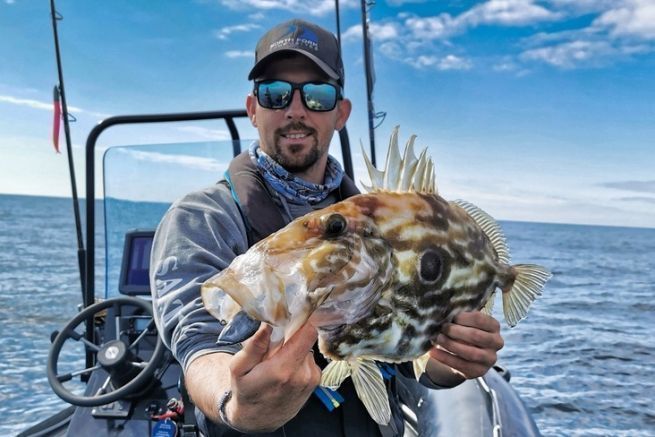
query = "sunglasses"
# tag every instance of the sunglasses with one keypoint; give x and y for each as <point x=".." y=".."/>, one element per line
<point x="316" y="96"/>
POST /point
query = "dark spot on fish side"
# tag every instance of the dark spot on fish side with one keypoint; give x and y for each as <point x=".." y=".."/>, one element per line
<point x="436" y="299"/>
<point x="430" y="266"/>
<point x="427" y="345"/>
<point x="409" y="334"/>
<point x="432" y="330"/>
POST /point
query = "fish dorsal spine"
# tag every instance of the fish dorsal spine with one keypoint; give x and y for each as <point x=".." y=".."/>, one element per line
<point x="402" y="173"/>
<point x="490" y="228"/>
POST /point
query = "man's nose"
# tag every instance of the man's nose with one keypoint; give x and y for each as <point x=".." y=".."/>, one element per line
<point x="296" y="109"/>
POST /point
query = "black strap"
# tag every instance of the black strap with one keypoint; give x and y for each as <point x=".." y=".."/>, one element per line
<point x="260" y="213"/>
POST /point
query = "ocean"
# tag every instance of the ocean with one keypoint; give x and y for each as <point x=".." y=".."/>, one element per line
<point x="583" y="361"/>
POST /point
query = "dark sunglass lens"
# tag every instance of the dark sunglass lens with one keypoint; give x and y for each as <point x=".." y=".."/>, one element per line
<point x="320" y="96"/>
<point x="274" y="95"/>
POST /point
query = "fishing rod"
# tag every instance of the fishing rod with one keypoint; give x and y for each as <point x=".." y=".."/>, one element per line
<point x="59" y="92"/>
<point x="370" y="78"/>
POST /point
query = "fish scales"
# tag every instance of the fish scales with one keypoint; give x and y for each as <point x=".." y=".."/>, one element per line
<point x="377" y="274"/>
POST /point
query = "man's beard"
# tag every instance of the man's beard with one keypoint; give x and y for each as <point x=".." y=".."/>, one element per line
<point x="291" y="162"/>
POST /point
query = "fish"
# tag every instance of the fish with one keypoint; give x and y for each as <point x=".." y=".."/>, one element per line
<point x="378" y="275"/>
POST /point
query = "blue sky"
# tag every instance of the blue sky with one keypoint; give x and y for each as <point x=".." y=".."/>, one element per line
<point x="534" y="110"/>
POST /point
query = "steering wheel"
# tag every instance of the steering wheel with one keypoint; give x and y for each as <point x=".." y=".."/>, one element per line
<point x="127" y="373"/>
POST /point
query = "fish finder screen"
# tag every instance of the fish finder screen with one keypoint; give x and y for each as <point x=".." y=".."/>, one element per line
<point x="136" y="262"/>
<point x="137" y="273"/>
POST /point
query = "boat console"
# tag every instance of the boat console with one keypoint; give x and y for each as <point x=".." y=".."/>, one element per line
<point x="135" y="382"/>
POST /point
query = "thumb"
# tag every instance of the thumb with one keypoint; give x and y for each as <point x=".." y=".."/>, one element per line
<point x="253" y="352"/>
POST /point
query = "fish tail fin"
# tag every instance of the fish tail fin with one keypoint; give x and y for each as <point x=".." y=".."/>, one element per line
<point x="420" y="364"/>
<point x="528" y="284"/>
<point x="370" y="388"/>
<point x="334" y="374"/>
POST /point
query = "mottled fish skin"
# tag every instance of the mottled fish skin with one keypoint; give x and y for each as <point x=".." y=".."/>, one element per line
<point x="411" y="308"/>
<point x="379" y="305"/>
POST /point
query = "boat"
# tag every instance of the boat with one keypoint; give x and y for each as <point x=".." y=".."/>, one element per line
<point x="121" y="380"/>
<point x="131" y="382"/>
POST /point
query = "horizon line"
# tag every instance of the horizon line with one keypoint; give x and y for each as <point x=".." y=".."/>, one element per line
<point x="500" y="220"/>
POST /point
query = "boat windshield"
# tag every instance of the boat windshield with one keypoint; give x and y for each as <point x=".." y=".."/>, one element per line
<point x="141" y="182"/>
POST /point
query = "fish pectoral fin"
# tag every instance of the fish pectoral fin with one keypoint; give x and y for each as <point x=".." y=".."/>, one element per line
<point x="420" y="364"/>
<point x="371" y="390"/>
<point x="488" y="307"/>
<point x="334" y="374"/>
<point x="239" y="329"/>
<point x="528" y="284"/>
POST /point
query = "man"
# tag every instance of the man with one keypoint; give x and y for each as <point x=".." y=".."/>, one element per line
<point x="296" y="106"/>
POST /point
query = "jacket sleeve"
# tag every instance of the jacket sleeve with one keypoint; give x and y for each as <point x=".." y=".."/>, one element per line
<point x="199" y="236"/>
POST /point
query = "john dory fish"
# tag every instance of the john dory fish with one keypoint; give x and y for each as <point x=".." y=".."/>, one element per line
<point x="377" y="274"/>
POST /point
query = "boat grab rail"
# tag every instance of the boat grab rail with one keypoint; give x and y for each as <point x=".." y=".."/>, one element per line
<point x="495" y="408"/>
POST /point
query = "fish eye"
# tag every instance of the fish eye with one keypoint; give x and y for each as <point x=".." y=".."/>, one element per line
<point x="431" y="266"/>
<point x="335" y="225"/>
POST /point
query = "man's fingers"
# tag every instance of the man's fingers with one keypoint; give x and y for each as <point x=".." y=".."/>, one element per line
<point x="473" y="354"/>
<point x="296" y="349"/>
<point x="253" y="352"/>
<point x="467" y="368"/>
<point x="472" y="336"/>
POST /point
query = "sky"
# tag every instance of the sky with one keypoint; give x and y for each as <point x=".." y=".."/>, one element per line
<point x="535" y="110"/>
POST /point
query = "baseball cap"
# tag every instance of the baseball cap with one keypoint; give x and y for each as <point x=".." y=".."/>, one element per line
<point x="300" y="36"/>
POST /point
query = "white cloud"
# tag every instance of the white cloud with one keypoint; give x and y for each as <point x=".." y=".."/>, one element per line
<point x="581" y="7"/>
<point x="382" y="32"/>
<point x="419" y="41"/>
<point x="436" y="27"/>
<point x="35" y="104"/>
<point x="448" y="62"/>
<point x="186" y="161"/>
<point x="353" y="33"/>
<point x="508" y="12"/>
<point x="240" y="54"/>
<point x="46" y="106"/>
<point x="377" y="32"/>
<point x="205" y="133"/>
<point x="569" y="54"/>
<point x="298" y="7"/>
<point x="647" y="186"/>
<point x="452" y="62"/>
<point x="256" y="16"/>
<point x="225" y="32"/>
<point x="630" y="18"/>
<point x="391" y="50"/>
<point x="505" y="66"/>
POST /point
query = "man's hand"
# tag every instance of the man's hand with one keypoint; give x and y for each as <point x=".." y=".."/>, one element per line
<point x="465" y="349"/>
<point x="267" y="391"/>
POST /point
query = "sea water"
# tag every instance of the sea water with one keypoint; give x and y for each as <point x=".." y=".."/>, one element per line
<point x="583" y="361"/>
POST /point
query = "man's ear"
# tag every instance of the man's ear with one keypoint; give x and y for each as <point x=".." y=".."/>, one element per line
<point x="343" y="112"/>
<point x="251" y="106"/>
